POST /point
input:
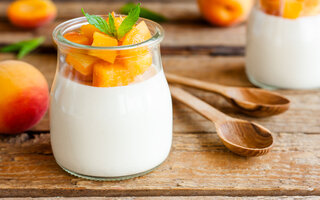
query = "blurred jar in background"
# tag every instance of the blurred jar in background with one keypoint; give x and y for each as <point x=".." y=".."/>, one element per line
<point x="283" y="44"/>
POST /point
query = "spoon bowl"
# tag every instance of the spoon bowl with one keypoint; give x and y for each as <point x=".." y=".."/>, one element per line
<point x="239" y="136"/>
<point x="256" y="102"/>
<point x="245" y="138"/>
<point x="250" y="101"/>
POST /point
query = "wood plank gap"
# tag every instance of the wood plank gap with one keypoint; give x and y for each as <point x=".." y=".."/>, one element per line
<point x="153" y="192"/>
<point x="174" y="50"/>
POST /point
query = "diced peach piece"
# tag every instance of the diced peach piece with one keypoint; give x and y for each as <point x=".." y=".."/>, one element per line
<point x="139" y="59"/>
<point x="292" y="9"/>
<point x="81" y="62"/>
<point x="272" y="7"/>
<point x="137" y="34"/>
<point x="117" y="20"/>
<point x="77" y="38"/>
<point x="110" y="75"/>
<point x="311" y="7"/>
<point x="88" y="30"/>
<point x="139" y="64"/>
<point x="70" y="73"/>
<point x="103" y="40"/>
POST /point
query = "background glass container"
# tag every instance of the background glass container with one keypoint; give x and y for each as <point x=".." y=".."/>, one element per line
<point x="283" y="45"/>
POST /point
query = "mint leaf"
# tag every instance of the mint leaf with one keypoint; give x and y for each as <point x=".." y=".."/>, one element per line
<point x="144" y="12"/>
<point x="29" y="46"/>
<point x="129" y="21"/>
<point x="24" y="47"/>
<point x="112" y="26"/>
<point x="98" y="22"/>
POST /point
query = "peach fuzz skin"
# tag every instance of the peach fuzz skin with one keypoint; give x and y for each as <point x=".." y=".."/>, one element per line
<point x="225" y="12"/>
<point x="24" y="96"/>
<point x="31" y="13"/>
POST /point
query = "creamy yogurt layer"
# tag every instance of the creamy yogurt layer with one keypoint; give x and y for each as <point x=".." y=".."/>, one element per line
<point x="111" y="132"/>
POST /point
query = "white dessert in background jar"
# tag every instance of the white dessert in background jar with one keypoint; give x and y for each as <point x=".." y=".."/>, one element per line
<point x="283" y="53"/>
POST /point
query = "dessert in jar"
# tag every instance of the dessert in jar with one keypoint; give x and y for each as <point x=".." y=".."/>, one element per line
<point x="111" y="110"/>
<point x="283" y="44"/>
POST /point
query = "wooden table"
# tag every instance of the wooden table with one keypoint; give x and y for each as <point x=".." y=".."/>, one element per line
<point x="198" y="165"/>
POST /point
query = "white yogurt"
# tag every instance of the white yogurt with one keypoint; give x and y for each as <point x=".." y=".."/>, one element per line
<point x="283" y="53"/>
<point x="111" y="132"/>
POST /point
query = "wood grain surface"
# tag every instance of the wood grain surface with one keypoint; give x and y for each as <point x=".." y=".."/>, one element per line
<point x="177" y="198"/>
<point x="184" y="31"/>
<point x="199" y="165"/>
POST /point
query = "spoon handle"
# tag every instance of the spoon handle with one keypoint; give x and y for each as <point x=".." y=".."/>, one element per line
<point x="198" y="105"/>
<point x="173" y="78"/>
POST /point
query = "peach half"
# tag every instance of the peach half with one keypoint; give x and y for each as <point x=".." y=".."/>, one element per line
<point x="24" y="96"/>
<point x="225" y="12"/>
<point x="31" y="13"/>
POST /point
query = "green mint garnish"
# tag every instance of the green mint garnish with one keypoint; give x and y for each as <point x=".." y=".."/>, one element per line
<point x="110" y="28"/>
<point x="129" y="21"/>
<point x="23" y="47"/>
<point x="144" y="12"/>
<point x="98" y="22"/>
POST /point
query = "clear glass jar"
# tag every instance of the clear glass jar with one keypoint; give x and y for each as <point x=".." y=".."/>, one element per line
<point x="118" y="130"/>
<point x="283" y="44"/>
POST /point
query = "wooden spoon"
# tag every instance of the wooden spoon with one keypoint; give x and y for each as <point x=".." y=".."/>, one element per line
<point x="241" y="137"/>
<point x="251" y="101"/>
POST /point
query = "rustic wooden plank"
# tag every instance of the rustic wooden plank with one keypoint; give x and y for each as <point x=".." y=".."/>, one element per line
<point x="180" y="10"/>
<point x="176" y="35"/>
<point x="177" y="198"/>
<point x="198" y="165"/>
<point x="303" y="116"/>
<point x="184" y="29"/>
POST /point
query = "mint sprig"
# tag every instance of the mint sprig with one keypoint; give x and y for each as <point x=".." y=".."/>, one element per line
<point x="110" y="28"/>
<point x="23" y="47"/>
<point x="129" y="21"/>
<point x="98" y="22"/>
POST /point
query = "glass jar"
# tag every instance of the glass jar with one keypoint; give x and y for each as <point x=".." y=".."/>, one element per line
<point x="283" y="44"/>
<point x="121" y="129"/>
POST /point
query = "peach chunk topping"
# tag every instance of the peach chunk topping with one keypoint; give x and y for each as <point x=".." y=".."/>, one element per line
<point x="109" y="68"/>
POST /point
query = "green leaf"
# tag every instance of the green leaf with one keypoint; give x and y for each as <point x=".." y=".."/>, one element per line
<point x="129" y="21"/>
<point x="112" y="26"/>
<point x="23" y="47"/>
<point x="144" y="12"/>
<point x="28" y="47"/>
<point x="98" y="22"/>
<point x="12" y="47"/>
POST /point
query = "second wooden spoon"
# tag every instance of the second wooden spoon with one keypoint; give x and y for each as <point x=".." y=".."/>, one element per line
<point x="241" y="137"/>
<point x="251" y="101"/>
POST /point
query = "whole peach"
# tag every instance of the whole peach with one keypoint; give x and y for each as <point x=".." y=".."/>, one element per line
<point x="31" y="13"/>
<point x="24" y="96"/>
<point x="225" y="12"/>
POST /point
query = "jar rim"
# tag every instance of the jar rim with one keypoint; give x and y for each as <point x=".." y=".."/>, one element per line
<point x="62" y="28"/>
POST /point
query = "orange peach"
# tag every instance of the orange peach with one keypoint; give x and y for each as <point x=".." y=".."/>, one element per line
<point x="77" y="38"/>
<point x="31" y="13"/>
<point x="24" y="96"/>
<point x="88" y="31"/>
<point x="292" y="9"/>
<point x="81" y="62"/>
<point x="137" y="60"/>
<point x="106" y="74"/>
<point x="103" y="40"/>
<point x="225" y="12"/>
